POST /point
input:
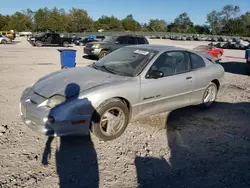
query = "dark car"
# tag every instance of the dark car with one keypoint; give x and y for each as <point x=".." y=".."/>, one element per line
<point x="84" y="41"/>
<point x="49" y="39"/>
<point x="248" y="61"/>
<point x="75" y="39"/>
<point x="112" y="43"/>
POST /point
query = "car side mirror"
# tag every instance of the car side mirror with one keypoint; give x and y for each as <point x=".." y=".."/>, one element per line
<point x="117" y="42"/>
<point x="155" y="74"/>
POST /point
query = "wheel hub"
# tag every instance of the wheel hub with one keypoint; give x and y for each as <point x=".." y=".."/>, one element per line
<point x="112" y="121"/>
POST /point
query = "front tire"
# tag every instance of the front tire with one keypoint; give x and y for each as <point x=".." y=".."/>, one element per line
<point x="209" y="95"/>
<point x="103" y="53"/>
<point x="38" y="44"/>
<point x="110" y="119"/>
<point x="4" y="42"/>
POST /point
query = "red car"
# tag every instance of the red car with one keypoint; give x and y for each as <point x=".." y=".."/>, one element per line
<point x="215" y="52"/>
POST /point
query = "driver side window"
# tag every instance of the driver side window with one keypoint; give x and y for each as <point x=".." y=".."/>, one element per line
<point x="171" y="63"/>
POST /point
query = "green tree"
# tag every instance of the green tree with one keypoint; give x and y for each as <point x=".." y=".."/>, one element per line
<point x="182" y="24"/>
<point x="108" y="24"/>
<point x="129" y="24"/>
<point x="218" y="21"/>
<point x="229" y="11"/>
<point x="4" y="21"/>
<point x="157" y="25"/>
<point x="245" y="20"/>
<point x="41" y="19"/>
<point x="20" y="22"/>
<point x="81" y="22"/>
<point x="202" y="29"/>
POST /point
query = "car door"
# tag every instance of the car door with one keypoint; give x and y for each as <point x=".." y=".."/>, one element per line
<point x="200" y="83"/>
<point x="55" y="38"/>
<point x="173" y="90"/>
<point x="47" y="38"/>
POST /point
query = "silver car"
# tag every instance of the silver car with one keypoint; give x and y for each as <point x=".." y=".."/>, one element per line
<point x="4" y="39"/>
<point x="127" y="84"/>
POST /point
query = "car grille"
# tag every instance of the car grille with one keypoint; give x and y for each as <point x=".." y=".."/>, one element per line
<point x="23" y="110"/>
<point x="36" y="99"/>
<point x="89" y="45"/>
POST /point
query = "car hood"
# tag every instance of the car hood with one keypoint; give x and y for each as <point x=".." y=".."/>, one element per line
<point x="78" y="79"/>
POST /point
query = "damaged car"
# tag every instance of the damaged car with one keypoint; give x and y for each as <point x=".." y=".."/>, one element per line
<point x="130" y="83"/>
<point x="212" y="50"/>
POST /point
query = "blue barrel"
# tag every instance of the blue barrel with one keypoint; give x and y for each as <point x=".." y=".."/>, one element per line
<point x="68" y="58"/>
<point x="247" y="54"/>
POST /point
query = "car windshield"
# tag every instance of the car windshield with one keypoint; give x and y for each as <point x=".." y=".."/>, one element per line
<point x="108" y="39"/>
<point x="40" y="34"/>
<point x="127" y="61"/>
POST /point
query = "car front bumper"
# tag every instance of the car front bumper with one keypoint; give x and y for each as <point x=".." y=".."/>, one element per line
<point x="36" y="117"/>
<point x="91" y="51"/>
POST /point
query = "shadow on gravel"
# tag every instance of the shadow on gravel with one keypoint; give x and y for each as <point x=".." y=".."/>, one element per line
<point x="76" y="158"/>
<point x="209" y="148"/>
<point x="234" y="67"/>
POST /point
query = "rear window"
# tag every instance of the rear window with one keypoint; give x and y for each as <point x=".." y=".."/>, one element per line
<point x="131" y="40"/>
<point x="207" y="56"/>
<point x="141" y="41"/>
<point x="197" y="61"/>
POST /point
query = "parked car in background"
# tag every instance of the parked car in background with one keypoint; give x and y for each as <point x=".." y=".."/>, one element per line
<point x="112" y="43"/>
<point x="25" y="34"/>
<point x="8" y="34"/>
<point x="4" y="39"/>
<point x="248" y="66"/>
<point x="215" y="52"/>
<point x="129" y="83"/>
<point x="84" y="41"/>
<point x="75" y="39"/>
<point x="248" y="62"/>
<point x="49" y="39"/>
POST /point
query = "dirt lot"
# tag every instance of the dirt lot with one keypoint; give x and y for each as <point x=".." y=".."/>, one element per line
<point x="187" y="148"/>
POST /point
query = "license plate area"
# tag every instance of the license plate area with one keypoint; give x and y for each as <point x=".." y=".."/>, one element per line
<point x="87" y="51"/>
<point x="23" y="110"/>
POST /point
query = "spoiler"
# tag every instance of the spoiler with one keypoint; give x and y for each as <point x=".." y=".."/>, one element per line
<point x="207" y="56"/>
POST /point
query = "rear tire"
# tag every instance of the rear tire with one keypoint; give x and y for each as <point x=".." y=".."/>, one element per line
<point x="110" y="119"/>
<point x="4" y="42"/>
<point x="209" y="95"/>
<point x="65" y="44"/>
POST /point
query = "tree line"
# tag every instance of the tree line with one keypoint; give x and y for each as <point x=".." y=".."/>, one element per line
<point x="228" y="21"/>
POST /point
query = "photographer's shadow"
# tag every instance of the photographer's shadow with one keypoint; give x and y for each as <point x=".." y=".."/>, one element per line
<point x="76" y="158"/>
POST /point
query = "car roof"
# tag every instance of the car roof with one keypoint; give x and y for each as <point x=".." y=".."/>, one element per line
<point x="160" y="48"/>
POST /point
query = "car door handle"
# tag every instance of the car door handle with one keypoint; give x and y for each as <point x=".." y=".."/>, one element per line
<point x="189" y="77"/>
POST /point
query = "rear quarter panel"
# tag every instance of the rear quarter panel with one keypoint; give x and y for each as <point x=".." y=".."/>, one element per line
<point x="203" y="77"/>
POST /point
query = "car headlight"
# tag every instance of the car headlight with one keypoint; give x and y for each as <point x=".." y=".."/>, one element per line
<point x="55" y="100"/>
<point x="96" y="46"/>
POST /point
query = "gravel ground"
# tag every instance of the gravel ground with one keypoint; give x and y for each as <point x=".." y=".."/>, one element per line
<point x="187" y="148"/>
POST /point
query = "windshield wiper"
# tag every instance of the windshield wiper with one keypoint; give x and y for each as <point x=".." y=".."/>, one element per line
<point x="109" y="70"/>
<point x="95" y="66"/>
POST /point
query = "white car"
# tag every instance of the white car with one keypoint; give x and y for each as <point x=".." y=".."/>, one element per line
<point x="4" y="39"/>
